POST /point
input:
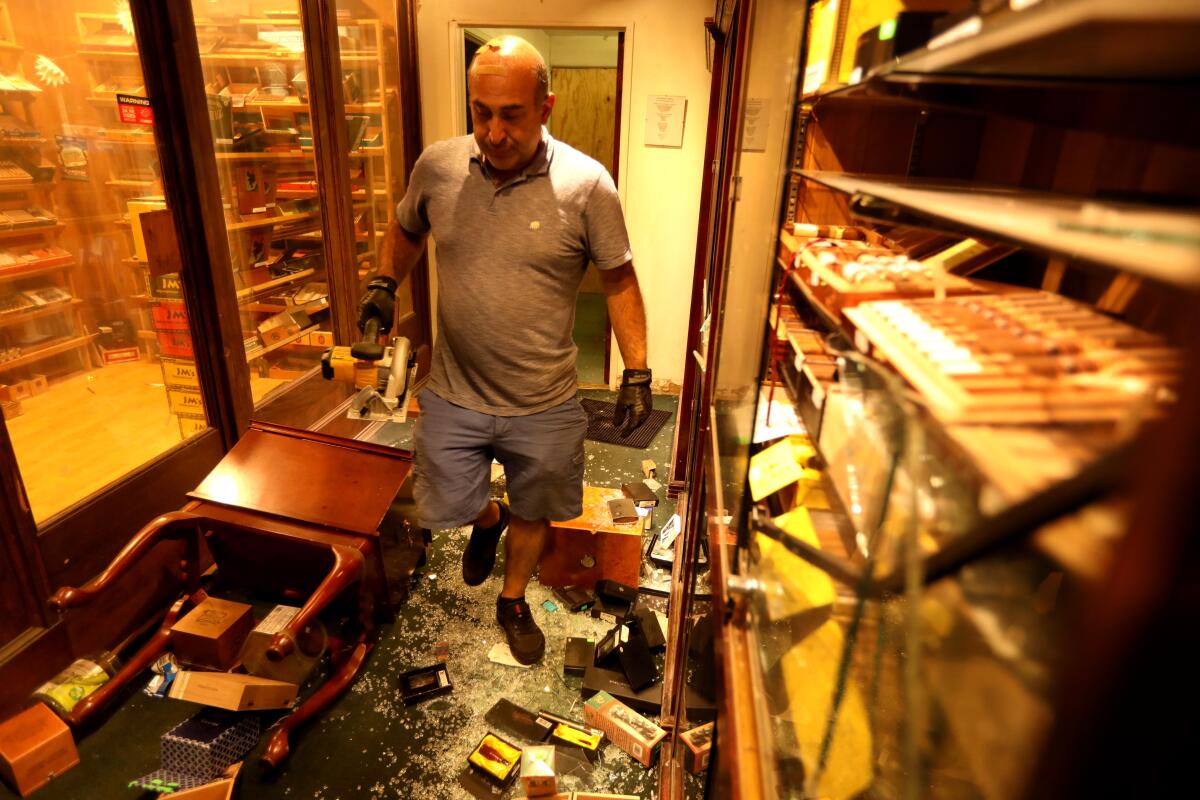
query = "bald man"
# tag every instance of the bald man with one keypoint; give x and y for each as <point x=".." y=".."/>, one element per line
<point x="516" y="217"/>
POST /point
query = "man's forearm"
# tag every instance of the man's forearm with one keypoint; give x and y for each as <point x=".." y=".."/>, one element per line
<point x="627" y="313"/>
<point x="400" y="252"/>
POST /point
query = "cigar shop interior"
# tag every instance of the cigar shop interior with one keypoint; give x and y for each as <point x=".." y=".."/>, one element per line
<point x="892" y="494"/>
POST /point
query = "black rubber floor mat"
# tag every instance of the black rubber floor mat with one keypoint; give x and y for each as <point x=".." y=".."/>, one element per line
<point x="601" y="428"/>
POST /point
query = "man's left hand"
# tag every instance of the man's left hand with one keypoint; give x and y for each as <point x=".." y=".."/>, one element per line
<point x="633" y="401"/>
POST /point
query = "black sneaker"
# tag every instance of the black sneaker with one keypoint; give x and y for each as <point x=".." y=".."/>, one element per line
<point x="479" y="557"/>
<point x="525" y="638"/>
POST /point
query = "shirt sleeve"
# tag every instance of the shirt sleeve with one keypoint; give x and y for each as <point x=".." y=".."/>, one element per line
<point x="411" y="211"/>
<point x="604" y="225"/>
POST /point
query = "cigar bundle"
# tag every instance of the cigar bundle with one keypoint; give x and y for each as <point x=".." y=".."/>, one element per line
<point x="1023" y="357"/>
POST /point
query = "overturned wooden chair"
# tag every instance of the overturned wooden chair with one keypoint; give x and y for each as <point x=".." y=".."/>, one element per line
<point x="288" y="514"/>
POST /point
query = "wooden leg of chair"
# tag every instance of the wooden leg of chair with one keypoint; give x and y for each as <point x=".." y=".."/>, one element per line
<point x="278" y="749"/>
<point x="89" y="706"/>
<point x="347" y="568"/>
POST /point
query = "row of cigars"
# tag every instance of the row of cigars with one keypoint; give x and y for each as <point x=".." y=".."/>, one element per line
<point x="976" y="352"/>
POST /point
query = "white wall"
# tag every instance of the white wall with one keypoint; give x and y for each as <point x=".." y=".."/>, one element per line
<point x="660" y="187"/>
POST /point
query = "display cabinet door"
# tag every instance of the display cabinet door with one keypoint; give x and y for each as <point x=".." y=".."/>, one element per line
<point x="305" y="116"/>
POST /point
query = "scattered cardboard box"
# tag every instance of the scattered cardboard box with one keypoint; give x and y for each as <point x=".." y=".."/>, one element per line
<point x="211" y="634"/>
<point x="232" y="691"/>
<point x="628" y="730"/>
<point x="697" y="745"/>
<point x="35" y="746"/>
<point x="297" y="665"/>
<point x="538" y="774"/>
<point x="220" y="789"/>
<point x="201" y="751"/>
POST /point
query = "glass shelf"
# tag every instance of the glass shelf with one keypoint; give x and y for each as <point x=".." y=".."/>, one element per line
<point x="1155" y="243"/>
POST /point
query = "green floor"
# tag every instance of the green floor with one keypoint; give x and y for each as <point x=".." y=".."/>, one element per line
<point x="590" y="333"/>
<point x="369" y="745"/>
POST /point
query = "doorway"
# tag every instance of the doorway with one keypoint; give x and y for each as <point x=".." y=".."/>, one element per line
<point x="585" y="75"/>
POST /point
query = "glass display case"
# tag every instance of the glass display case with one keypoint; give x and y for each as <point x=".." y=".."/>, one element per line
<point x="925" y="368"/>
<point x="96" y="372"/>
<point x="262" y="108"/>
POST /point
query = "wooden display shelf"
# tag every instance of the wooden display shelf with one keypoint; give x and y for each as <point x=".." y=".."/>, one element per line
<point x="124" y="184"/>
<point x="17" y="141"/>
<point x="31" y="230"/>
<point x="289" y="57"/>
<point x="140" y="141"/>
<point x="281" y="105"/>
<point x="259" y="352"/>
<point x="107" y="54"/>
<point x="269" y="286"/>
<point x="268" y="222"/>
<point x="13" y="317"/>
<point x="54" y="348"/>
<point x="293" y="155"/>
<point x="31" y="270"/>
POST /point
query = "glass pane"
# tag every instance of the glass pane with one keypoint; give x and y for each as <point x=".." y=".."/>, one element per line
<point x="258" y="96"/>
<point x="96" y="361"/>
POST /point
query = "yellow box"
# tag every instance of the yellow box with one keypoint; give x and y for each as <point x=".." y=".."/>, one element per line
<point x="179" y="373"/>
<point x="822" y="34"/>
<point x="190" y="426"/>
<point x="861" y="16"/>
<point x="185" y="401"/>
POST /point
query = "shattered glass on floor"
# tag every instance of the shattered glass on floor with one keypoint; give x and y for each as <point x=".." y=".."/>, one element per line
<point x="369" y="744"/>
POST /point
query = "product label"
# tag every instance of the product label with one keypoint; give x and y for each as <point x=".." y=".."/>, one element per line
<point x="73" y="684"/>
<point x="134" y="110"/>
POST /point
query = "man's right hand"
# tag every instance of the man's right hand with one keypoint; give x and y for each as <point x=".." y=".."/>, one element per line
<point x="379" y="302"/>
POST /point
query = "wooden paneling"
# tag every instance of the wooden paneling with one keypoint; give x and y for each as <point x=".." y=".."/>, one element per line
<point x="77" y="547"/>
<point x="585" y="112"/>
<point x="28" y="662"/>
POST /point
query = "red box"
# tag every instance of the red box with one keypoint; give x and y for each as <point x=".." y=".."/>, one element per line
<point x="177" y="344"/>
<point x="170" y="315"/>
<point x="118" y="355"/>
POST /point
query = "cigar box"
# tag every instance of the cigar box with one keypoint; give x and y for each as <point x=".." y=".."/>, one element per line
<point x="622" y="511"/>
<point x="297" y="665"/>
<point x="538" y="775"/>
<point x="35" y="747"/>
<point x="518" y="721"/>
<point x="843" y="275"/>
<point x="566" y="732"/>
<point x="232" y="691"/>
<point x="421" y="684"/>
<point x="211" y="634"/>
<point x="578" y="654"/>
<point x="651" y="628"/>
<point x="495" y="760"/>
<point x="598" y="679"/>
<point x="574" y="598"/>
<point x="602" y="796"/>
<point x="697" y="744"/>
<point x="640" y="494"/>
<point x="628" y="730"/>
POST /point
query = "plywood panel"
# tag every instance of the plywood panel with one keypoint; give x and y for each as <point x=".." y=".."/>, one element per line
<point x="585" y="111"/>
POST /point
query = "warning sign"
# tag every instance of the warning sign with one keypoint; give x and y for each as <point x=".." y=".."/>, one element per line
<point x="134" y="110"/>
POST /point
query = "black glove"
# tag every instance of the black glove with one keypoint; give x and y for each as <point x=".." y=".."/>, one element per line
<point x="380" y="303"/>
<point x="633" y="401"/>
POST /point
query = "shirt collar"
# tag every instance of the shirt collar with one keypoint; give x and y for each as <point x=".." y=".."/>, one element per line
<point x="541" y="159"/>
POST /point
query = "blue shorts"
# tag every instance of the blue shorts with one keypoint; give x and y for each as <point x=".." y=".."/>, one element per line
<point x="542" y="456"/>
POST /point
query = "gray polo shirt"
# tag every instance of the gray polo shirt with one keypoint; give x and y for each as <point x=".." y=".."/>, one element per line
<point x="510" y="260"/>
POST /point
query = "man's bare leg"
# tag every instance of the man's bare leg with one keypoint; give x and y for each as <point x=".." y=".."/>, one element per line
<point x="523" y="548"/>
